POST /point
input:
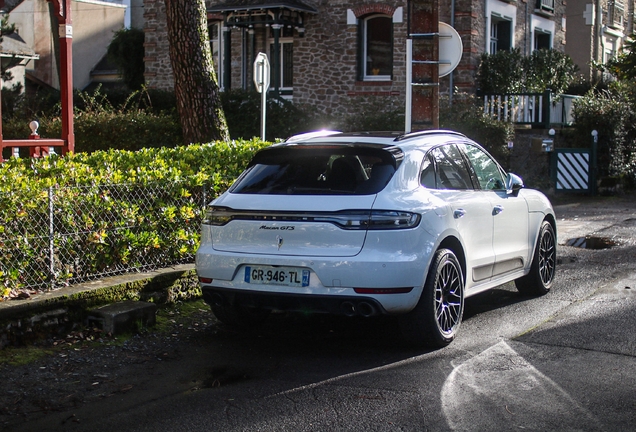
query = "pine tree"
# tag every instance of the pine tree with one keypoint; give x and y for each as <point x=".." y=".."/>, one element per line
<point x="195" y="84"/>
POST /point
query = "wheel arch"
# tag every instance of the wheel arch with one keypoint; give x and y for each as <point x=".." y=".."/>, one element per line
<point x="453" y="243"/>
<point x="551" y="219"/>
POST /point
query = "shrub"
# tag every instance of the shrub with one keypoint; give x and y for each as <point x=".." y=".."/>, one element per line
<point x="467" y="116"/>
<point x="501" y="72"/>
<point x="243" y="114"/>
<point x="549" y="70"/>
<point x="510" y="72"/>
<point x="611" y="113"/>
<point x="113" y="211"/>
<point x="126" y="51"/>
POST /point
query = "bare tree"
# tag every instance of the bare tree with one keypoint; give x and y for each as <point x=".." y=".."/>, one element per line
<point x="195" y="84"/>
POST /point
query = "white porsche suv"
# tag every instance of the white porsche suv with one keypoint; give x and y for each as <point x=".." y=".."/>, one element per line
<point x="365" y="224"/>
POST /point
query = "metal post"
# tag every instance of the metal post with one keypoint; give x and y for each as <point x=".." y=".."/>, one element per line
<point x="263" y="104"/>
<point x="593" y="162"/>
<point x="51" y="240"/>
<point x="65" y="34"/>
<point x="409" y="85"/>
<point x="547" y="100"/>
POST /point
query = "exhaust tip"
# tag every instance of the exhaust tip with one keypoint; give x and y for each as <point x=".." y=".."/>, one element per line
<point x="365" y="309"/>
<point x="348" y="308"/>
<point x="214" y="299"/>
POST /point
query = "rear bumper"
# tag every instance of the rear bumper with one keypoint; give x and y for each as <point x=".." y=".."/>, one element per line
<point x="335" y="305"/>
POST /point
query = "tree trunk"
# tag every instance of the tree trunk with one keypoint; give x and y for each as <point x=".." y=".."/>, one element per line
<point x="195" y="84"/>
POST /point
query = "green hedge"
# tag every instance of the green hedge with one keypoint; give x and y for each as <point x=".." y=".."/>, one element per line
<point x="612" y="114"/>
<point x="466" y="115"/>
<point x="99" y="222"/>
<point x="106" y="130"/>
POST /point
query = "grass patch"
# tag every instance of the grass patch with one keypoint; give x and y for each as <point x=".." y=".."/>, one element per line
<point x="171" y="318"/>
<point x="19" y="356"/>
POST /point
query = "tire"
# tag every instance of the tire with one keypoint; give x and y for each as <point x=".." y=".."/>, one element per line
<point x="438" y="314"/>
<point x="239" y="316"/>
<point x="539" y="281"/>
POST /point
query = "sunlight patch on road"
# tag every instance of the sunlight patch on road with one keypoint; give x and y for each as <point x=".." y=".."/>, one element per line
<point x="498" y="386"/>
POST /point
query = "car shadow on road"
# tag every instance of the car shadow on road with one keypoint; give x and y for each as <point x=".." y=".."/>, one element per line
<point x="497" y="298"/>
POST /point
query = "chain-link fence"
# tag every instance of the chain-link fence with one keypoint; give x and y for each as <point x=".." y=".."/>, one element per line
<point x="66" y="235"/>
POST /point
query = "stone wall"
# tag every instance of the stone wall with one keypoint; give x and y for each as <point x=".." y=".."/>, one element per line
<point x="325" y="63"/>
<point x="470" y="23"/>
<point x="158" y="72"/>
<point x="325" y="59"/>
<point x="527" y="160"/>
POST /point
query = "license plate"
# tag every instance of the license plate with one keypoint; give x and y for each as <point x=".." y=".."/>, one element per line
<point x="285" y="276"/>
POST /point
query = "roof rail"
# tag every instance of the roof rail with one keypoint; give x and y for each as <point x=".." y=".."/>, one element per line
<point x="427" y="132"/>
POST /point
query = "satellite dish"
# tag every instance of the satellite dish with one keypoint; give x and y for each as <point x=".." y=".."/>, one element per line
<point x="450" y="49"/>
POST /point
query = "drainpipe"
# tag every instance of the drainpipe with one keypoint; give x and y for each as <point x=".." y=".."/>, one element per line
<point x="526" y="30"/>
<point x="450" y="82"/>
<point x="276" y="59"/>
<point x="598" y="22"/>
<point x="227" y="57"/>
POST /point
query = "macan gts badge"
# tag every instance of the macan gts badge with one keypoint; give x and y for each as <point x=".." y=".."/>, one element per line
<point x="368" y="224"/>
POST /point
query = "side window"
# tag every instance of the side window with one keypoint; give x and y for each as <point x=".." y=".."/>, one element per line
<point x="451" y="170"/>
<point x="375" y="48"/>
<point x="486" y="169"/>
<point x="427" y="177"/>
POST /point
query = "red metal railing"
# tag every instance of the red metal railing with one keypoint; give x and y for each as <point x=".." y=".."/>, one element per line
<point x="37" y="146"/>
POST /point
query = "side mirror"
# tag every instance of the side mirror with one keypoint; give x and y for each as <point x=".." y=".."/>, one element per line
<point x="513" y="184"/>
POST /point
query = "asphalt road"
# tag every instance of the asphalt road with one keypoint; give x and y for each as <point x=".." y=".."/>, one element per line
<point x="565" y="361"/>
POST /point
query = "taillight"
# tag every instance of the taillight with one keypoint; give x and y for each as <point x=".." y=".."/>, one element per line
<point x="218" y="216"/>
<point x="345" y="219"/>
<point x="372" y="220"/>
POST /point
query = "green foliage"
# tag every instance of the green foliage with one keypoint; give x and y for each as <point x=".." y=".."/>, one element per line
<point x="126" y="51"/>
<point x="612" y="114"/>
<point x="501" y="72"/>
<point x="6" y="29"/>
<point x="510" y="72"/>
<point x="101" y="222"/>
<point x="623" y="66"/>
<point x="103" y="122"/>
<point x="549" y="70"/>
<point x="466" y="115"/>
<point x="243" y="114"/>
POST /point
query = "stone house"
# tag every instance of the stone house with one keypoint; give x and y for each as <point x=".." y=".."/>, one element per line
<point x="94" y="23"/>
<point x="597" y="30"/>
<point x="328" y="54"/>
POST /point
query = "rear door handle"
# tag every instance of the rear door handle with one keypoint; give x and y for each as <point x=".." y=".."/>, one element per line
<point x="498" y="209"/>
<point x="459" y="213"/>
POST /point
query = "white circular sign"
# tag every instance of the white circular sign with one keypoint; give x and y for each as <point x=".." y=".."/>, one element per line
<point x="450" y="49"/>
<point x="261" y="72"/>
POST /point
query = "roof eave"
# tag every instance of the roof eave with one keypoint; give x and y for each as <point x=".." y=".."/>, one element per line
<point x="299" y="8"/>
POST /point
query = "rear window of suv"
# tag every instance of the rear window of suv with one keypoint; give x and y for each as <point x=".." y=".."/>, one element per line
<point x="317" y="170"/>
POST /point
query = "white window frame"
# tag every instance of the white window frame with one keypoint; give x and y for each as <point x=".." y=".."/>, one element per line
<point x="539" y="32"/>
<point x="502" y="11"/>
<point x="494" y="38"/>
<point x="365" y="74"/>
<point x="218" y="59"/>
<point x="282" y="41"/>
<point x="544" y="26"/>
